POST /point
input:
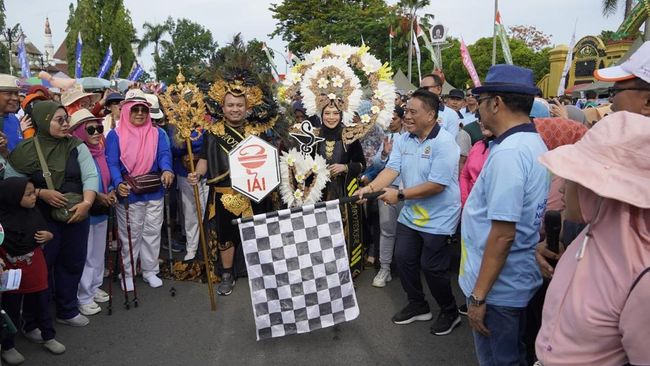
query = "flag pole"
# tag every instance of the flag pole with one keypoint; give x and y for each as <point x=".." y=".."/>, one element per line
<point x="350" y="199"/>
<point x="390" y="49"/>
<point x="494" y="33"/>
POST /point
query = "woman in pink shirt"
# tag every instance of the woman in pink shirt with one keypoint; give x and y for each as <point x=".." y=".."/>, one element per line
<point x="596" y="307"/>
<point x="476" y="157"/>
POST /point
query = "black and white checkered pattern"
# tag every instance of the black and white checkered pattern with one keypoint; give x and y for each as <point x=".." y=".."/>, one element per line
<point x="298" y="271"/>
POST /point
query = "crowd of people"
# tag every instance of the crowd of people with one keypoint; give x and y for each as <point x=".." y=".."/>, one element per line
<point x="552" y="266"/>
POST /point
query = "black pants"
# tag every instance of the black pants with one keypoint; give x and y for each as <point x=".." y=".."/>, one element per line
<point x="417" y="250"/>
<point x="38" y="305"/>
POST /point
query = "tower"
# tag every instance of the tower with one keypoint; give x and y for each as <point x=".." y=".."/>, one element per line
<point x="49" y="46"/>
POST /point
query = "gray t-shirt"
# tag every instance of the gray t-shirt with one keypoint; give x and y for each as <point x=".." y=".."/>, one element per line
<point x="464" y="140"/>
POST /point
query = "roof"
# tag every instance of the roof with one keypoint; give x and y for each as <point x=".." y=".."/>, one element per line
<point x="61" y="52"/>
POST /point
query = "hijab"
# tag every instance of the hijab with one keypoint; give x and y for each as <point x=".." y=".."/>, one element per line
<point x="20" y="223"/>
<point x="138" y="144"/>
<point x="97" y="151"/>
<point x="24" y="159"/>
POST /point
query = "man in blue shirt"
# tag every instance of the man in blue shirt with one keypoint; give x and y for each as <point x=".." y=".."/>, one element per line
<point x="426" y="158"/>
<point x="9" y="104"/>
<point x="448" y="118"/>
<point x="501" y="219"/>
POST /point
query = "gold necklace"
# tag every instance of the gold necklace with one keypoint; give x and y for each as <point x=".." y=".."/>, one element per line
<point x="329" y="149"/>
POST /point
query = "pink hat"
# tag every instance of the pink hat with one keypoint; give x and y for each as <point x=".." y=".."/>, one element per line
<point x="612" y="159"/>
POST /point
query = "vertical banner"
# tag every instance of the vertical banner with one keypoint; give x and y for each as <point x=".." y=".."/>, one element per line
<point x="391" y="35"/>
<point x="417" y="55"/>
<point x="469" y="65"/>
<point x="567" y="63"/>
<point x="274" y="71"/>
<point x="134" y="69"/>
<point x="77" y="62"/>
<point x="106" y="64"/>
<point x="503" y="37"/>
<point x="117" y="69"/>
<point x="22" y="58"/>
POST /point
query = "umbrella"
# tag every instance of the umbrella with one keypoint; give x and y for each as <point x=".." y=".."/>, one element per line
<point x="35" y="80"/>
<point x="92" y="83"/>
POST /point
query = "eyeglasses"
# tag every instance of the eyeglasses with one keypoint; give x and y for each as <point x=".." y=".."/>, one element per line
<point x="95" y="130"/>
<point x="480" y="100"/>
<point x="139" y="109"/>
<point x="62" y="120"/>
<point x="613" y="91"/>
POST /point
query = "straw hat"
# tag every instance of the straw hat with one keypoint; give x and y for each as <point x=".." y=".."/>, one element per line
<point x="80" y="117"/>
<point x="612" y="159"/>
<point x="8" y="83"/>
<point x="75" y="93"/>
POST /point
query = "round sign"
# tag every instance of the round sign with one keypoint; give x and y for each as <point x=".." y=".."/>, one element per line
<point x="2" y="234"/>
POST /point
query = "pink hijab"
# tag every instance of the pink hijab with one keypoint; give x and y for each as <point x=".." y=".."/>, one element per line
<point x="97" y="151"/>
<point x="138" y="145"/>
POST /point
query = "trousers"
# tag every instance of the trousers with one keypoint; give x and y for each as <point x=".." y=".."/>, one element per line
<point x="388" y="226"/>
<point x="189" y="211"/>
<point x="93" y="273"/>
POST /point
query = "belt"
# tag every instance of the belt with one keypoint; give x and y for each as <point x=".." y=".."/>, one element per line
<point x="224" y="190"/>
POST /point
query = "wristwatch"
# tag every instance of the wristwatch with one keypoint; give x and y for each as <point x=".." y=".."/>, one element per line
<point x="474" y="301"/>
<point x="400" y="195"/>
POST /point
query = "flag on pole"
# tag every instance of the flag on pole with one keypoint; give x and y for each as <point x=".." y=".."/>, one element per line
<point x="503" y="38"/>
<point x="134" y="68"/>
<point x="567" y="62"/>
<point x="469" y="65"/>
<point x="417" y="54"/>
<point x="138" y="73"/>
<point x="298" y="270"/>
<point x="106" y="64"/>
<point x="391" y="35"/>
<point x="274" y="69"/>
<point x="22" y="57"/>
<point x="77" y="71"/>
<point x="391" y="32"/>
<point x="116" y="69"/>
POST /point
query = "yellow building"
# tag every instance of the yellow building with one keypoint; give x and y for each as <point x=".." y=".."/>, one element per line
<point x="589" y="54"/>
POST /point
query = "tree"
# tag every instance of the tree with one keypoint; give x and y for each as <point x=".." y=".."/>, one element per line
<point x="4" y="57"/>
<point x="531" y="36"/>
<point x="153" y="34"/>
<point x="191" y="47"/>
<point x="101" y="23"/>
<point x="307" y="24"/>
<point x="610" y="7"/>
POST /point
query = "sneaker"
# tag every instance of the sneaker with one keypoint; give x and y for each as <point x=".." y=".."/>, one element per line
<point x="77" y="321"/>
<point x="129" y="283"/>
<point x="226" y="284"/>
<point x="462" y="310"/>
<point x="153" y="281"/>
<point x="12" y="356"/>
<point x="176" y="246"/>
<point x="445" y="323"/>
<point x="89" y="309"/>
<point x="413" y="312"/>
<point x="381" y="278"/>
<point x="54" y="346"/>
<point x="34" y="336"/>
<point x="101" y="296"/>
<point x="189" y="256"/>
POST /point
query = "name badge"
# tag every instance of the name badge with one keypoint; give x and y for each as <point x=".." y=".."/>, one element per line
<point x="427" y="153"/>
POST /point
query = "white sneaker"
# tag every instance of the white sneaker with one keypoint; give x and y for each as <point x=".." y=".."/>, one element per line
<point x="382" y="277"/>
<point x="54" y="346"/>
<point x="12" y="356"/>
<point x="77" y="321"/>
<point x="34" y="336"/>
<point x="90" y="309"/>
<point x="189" y="256"/>
<point x="101" y="296"/>
<point x="153" y="281"/>
<point x="129" y="283"/>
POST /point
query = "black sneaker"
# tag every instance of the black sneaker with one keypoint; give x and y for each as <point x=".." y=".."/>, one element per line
<point x="445" y="323"/>
<point x="462" y="309"/>
<point x="226" y="285"/>
<point x="413" y="312"/>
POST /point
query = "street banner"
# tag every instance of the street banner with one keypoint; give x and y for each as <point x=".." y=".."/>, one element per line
<point x="503" y="37"/>
<point x="469" y="65"/>
<point x="22" y="58"/>
<point x="106" y="64"/>
<point x="77" y="62"/>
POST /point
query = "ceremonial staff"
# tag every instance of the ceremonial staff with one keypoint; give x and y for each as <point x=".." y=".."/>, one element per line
<point x="186" y="110"/>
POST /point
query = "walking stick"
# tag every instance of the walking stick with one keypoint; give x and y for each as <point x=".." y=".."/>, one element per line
<point x="199" y="216"/>
<point x="170" y="258"/>
<point x="109" y="240"/>
<point x="128" y="233"/>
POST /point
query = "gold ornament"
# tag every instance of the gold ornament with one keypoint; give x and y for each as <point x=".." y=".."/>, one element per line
<point x="237" y="204"/>
<point x="185" y="107"/>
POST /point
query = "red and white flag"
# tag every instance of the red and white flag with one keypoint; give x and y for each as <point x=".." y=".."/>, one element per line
<point x="391" y="32"/>
<point x="469" y="65"/>
<point x="418" y="31"/>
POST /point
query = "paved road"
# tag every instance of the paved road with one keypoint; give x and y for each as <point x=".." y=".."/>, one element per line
<point x="182" y="330"/>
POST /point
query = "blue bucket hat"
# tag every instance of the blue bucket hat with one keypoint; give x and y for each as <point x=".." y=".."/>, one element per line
<point x="508" y="79"/>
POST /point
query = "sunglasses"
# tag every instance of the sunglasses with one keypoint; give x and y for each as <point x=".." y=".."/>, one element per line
<point x="62" y="120"/>
<point x="139" y="109"/>
<point x="613" y="91"/>
<point x="95" y="130"/>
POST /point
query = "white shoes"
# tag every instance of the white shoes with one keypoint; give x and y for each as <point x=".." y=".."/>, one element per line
<point x="381" y="278"/>
<point x="89" y="309"/>
<point x="189" y="256"/>
<point x="54" y="346"/>
<point x="101" y="296"/>
<point x="77" y="321"/>
<point x="34" y="336"/>
<point x="12" y="357"/>
<point x="153" y="281"/>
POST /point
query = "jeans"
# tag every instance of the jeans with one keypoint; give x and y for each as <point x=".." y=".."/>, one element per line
<point x="505" y="345"/>
<point x="417" y="250"/>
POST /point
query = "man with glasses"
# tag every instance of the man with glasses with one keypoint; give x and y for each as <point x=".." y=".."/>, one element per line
<point x="502" y="217"/>
<point x="631" y="90"/>
<point x="447" y="117"/>
<point x="112" y="111"/>
<point x="9" y="104"/>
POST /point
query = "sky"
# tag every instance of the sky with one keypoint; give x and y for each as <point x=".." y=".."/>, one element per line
<point x="469" y="19"/>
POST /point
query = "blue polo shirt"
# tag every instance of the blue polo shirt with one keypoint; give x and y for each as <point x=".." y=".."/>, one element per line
<point x="449" y="120"/>
<point x="433" y="160"/>
<point x="512" y="186"/>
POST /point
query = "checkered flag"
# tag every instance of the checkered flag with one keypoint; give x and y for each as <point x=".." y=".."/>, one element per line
<point x="298" y="270"/>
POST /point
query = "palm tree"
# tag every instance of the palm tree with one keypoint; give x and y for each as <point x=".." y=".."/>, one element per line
<point x="153" y="35"/>
<point x="411" y="7"/>
<point x="610" y="6"/>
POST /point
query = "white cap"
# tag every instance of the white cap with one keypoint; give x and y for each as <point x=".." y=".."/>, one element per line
<point x="637" y="66"/>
